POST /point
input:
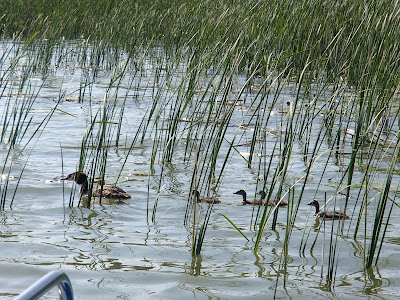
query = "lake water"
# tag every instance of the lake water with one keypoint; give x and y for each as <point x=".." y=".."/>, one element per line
<point x="117" y="251"/>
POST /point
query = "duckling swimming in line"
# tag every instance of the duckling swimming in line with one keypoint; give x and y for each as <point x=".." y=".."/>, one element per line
<point x="272" y="202"/>
<point x="206" y="199"/>
<point x="107" y="190"/>
<point x="328" y="214"/>
<point x="245" y="201"/>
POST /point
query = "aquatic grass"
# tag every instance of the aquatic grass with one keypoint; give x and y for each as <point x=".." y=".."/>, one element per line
<point x="203" y="229"/>
<point x="21" y="127"/>
<point x="386" y="227"/>
<point x="281" y="171"/>
<point x="290" y="27"/>
<point x="283" y="264"/>
<point x="212" y="127"/>
<point x="339" y="59"/>
<point x="234" y="226"/>
<point x="197" y="243"/>
<point x="371" y="171"/>
<point x="381" y="211"/>
<point x="101" y="132"/>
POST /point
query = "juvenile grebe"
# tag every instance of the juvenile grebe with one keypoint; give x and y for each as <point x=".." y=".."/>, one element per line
<point x="271" y="202"/>
<point x="107" y="190"/>
<point x="206" y="199"/>
<point x="328" y="214"/>
<point x="245" y="201"/>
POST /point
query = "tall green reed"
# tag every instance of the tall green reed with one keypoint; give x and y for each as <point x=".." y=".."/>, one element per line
<point x="21" y="129"/>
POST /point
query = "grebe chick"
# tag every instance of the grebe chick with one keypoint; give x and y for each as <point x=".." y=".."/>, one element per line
<point x="245" y="201"/>
<point x="107" y="190"/>
<point x="328" y="214"/>
<point x="272" y="202"/>
<point x="206" y="199"/>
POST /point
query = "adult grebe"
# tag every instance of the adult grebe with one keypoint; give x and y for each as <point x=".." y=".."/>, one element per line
<point x="245" y="201"/>
<point x="271" y="202"/>
<point x="328" y="214"/>
<point x="107" y="190"/>
<point x="206" y="199"/>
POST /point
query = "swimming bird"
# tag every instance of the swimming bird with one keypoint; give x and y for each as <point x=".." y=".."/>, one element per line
<point x="107" y="190"/>
<point x="272" y="202"/>
<point x="205" y="199"/>
<point x="328" y="214"/>
<point x="245" y="201"/>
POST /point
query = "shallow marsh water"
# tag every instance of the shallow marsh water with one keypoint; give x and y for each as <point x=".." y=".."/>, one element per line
<point x="117" y="252"/>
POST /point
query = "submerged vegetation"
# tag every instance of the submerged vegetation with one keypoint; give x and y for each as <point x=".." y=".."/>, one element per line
<point x="219" y="71"/>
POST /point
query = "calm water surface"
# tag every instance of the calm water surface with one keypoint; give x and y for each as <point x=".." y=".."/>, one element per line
<point x="117" y="252"/>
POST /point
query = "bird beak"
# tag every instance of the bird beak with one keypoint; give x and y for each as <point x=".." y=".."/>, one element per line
<point x="68" y="177"/>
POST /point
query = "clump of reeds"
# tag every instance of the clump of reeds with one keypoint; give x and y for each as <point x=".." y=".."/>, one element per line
<point x="20" y="126"/>
<point x="339" y="59"/>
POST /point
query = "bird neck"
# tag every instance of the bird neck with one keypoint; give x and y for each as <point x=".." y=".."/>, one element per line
<point x="244" y="195"/>
<point x="84" y="187"/>
<point x="316" y="208"/>
<point x="198" y="196"/>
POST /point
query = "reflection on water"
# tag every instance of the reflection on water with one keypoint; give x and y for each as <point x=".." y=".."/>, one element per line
<point x="195" y="266"/>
